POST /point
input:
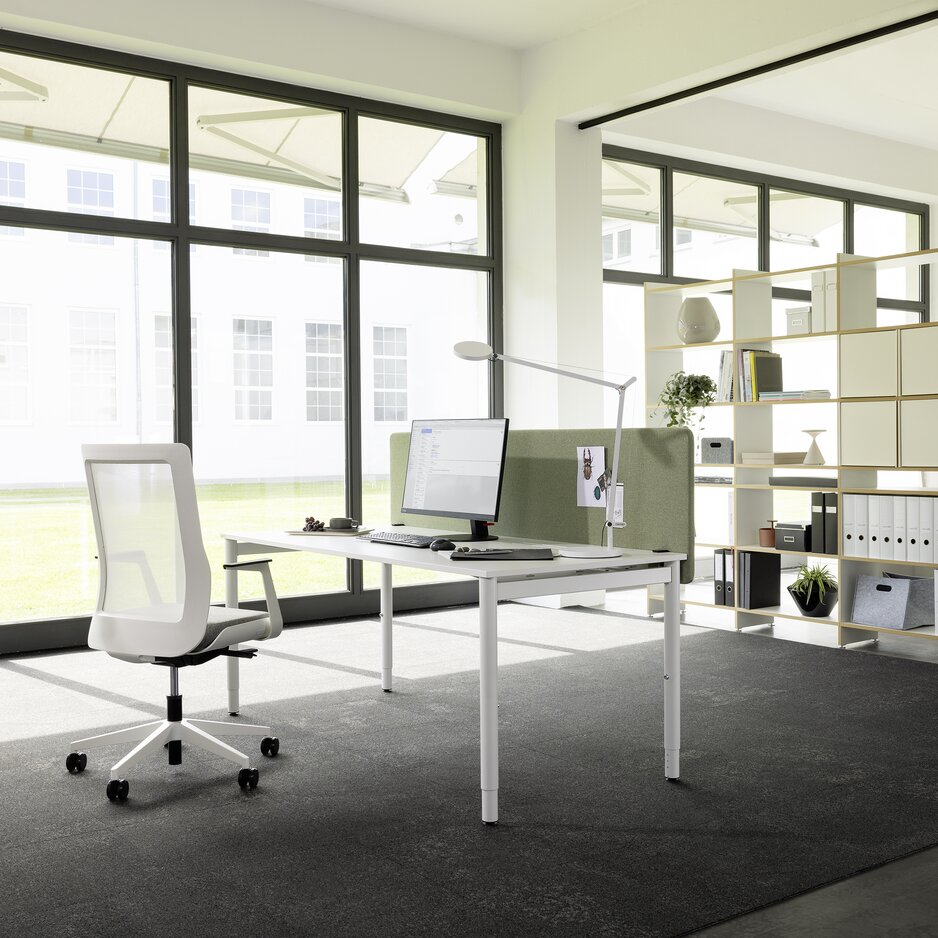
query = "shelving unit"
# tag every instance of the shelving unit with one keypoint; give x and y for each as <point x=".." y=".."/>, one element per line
<point x="879" y="420"/>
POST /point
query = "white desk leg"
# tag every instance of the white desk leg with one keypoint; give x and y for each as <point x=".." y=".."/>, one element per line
<point x="387" y="624"/>
<point x="488" y="696"/>
<point x="231" y="600"/>
<point x="672" y="675"/>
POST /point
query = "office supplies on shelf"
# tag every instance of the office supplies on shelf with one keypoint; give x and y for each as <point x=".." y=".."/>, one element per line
<point x="775" y="459"/>
<point x="716" y="450"/>
<point x="757" y="368"/>
<point x="886" y="532"/>
<point x="766" y="374"/>
<point x="899" y="539"/>
<point x="912" y="533"/>
<point x="502" y="553"/>
<point x="818" y="528"/>
<point x="798" y="320"/>
<point x="455" y="470"/>
<point x="805" y="481"/>
<point x="713" y="480"/>
<point x="793" y="536"/>
<point x="926" y="527"/>
<point x="814" y="394"/>
<point x="719" y="577"/>
<point x="862" y="519"/>
<point x="831" y="523"/>
<point x="725" y="377"/>
<point x="872" y="517"/>
<point x="893" y="601"/>
<point x="401" y="539"/>
<point x="759" y="579"/>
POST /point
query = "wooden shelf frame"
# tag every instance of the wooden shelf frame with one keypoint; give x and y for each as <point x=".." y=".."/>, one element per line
<point x="855" y="299"/>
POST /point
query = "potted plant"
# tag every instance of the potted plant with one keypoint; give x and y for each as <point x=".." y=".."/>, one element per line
<point x="682" y="393"/>
<point x="815" y="590"/>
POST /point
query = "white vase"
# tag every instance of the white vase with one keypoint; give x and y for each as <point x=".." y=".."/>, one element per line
<point x="697" y="321"/>
<point x="814" y="456"/>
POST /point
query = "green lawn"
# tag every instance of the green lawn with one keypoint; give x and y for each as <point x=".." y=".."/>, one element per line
<point x="47" y="547"/>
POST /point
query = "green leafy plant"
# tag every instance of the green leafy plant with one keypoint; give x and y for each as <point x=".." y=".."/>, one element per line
<point x="682" y="393"/>
<point x="811" y="578"/>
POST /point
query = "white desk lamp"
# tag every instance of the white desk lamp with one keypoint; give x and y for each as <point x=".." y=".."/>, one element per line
<point x="479" y="351"/>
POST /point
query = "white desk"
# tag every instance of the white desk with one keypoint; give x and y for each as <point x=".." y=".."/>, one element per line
<point x="498" y="580"/>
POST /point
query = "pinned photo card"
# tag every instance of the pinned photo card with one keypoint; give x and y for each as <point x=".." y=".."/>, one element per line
<point x="591" y="476"/>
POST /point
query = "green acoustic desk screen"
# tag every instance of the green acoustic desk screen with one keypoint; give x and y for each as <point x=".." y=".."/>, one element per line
<point x="540" y="486"/>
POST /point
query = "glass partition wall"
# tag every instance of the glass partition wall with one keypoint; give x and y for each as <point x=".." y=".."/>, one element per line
<point x="270" y="274"/>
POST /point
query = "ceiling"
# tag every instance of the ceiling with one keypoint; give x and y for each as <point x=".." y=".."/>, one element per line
<point x="887" y="88"/>
<point x="517" y="24"/>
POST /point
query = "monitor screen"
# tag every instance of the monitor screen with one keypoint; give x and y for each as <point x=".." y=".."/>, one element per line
<point x="455" y="468"/>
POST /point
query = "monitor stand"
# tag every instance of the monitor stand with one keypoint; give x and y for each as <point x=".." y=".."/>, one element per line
<point x="478" y="531"/>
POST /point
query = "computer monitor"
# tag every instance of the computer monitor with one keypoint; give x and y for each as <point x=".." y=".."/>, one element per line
<point x="455" y="469"/>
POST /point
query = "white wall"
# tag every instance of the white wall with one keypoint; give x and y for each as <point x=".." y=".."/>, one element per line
<point x="295" y="41"/>
<point x="650" y="51"/>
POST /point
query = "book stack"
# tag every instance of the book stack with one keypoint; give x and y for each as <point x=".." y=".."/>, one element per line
<point x="759" y="372"/>
<point x="725" y="377"/>
<point x="812" y="395"/>
<point x="774" y="459"/>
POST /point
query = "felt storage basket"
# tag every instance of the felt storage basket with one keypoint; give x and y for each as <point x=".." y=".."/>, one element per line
<point x="894" y="602"/>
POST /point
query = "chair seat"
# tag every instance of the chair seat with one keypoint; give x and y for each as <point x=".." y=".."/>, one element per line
<point x="229" y="626"/>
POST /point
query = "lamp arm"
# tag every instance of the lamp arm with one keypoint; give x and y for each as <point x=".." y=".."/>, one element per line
<point x="612" y="487"/>
<point x="498" y="356"/>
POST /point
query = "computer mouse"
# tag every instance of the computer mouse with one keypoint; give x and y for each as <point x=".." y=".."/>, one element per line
<point x="442" y="543"/>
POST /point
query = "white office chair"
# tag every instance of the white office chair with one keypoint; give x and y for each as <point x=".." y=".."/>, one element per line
<point x="154" y="599"/>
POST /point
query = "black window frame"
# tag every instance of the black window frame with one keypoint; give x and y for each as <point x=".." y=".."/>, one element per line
<point x="181" y="233"/>
<point x="668" y="165"/>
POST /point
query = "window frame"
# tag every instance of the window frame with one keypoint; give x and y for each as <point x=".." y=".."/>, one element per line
<point x="184" y="235"/>
<point x="850" y="198"/>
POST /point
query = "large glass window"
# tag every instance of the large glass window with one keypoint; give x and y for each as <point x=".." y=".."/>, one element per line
<point x="104" y="125"/>
<point x="715" y="226"/>
<point x="12" y="191"/>
<point x="804" y="230"/>
<point x="260" y="463"/>
<point x="401" y="300"/>
<point x="14" y="364"/>
<point x="631" y="216"/>
<point x="291" y="324"/>
<point x="269" y="152"/>
<point x="81" y="358"/>
<point x="878" y="232"/>
<point x="420" y="187"/>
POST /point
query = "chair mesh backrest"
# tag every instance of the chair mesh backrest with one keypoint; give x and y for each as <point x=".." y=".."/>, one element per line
<point x="141" y="543"/>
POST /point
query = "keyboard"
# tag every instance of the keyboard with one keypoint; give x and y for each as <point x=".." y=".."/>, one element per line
<point x="401" y="539"/>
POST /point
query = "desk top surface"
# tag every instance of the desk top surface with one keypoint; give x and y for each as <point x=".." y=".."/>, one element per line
<point x="357" y="548"/>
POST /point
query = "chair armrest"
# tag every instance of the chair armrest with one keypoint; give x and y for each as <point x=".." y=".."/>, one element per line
<point x="270" y="594"/>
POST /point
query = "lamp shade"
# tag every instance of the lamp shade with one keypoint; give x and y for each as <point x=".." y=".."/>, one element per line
<point x="697" y="321"/>
<point x="473" y="351"/>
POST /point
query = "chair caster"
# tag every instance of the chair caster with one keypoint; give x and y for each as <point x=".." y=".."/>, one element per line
<point x="270" y="746"/>
<point x="117" y="789"/>
<point x="247" y="778"/>
<point x="75" y="762"/>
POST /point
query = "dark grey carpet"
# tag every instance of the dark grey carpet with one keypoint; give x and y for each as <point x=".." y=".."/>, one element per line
<point x="800" y="765"/>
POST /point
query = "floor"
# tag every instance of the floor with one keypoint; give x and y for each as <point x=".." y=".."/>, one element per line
<point x="897" y="899"/>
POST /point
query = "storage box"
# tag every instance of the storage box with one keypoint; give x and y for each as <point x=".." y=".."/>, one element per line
<point x="894" y="602"/>
<point x="716" y="450"/>
<point x="793" y="537"/>
<point x="798" y="320"/>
